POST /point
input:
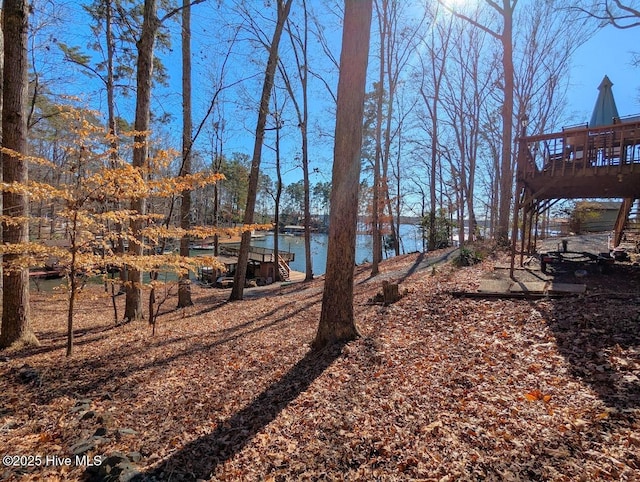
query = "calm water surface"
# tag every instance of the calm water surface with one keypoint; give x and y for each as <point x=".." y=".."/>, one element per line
<point x="410" y="237"/>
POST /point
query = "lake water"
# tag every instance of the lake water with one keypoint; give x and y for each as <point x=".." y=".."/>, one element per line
<point x="410" y="237"/>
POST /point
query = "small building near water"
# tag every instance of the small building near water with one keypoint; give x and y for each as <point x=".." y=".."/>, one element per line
<point x="293" y="230"/>
<point x="595" y="216"/>
<point x="210" y="275"/>
<point x="261" y="268"/>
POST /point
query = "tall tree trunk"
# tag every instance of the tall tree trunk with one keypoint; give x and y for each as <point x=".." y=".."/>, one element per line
<point x="376" y="204"/>
<point x="307" y="201"/>
<point x="278" y="196"/>
<point x="1" y="99"/>
<point x="16" y="327"/>
<point x="506" y="168"/>
<point x="398" y="199"/>
<point x="433" y="170"/>
<point x="184" y="287"/>
<point x="216" y="204"/>
<point x="337" y="322"/>
<point x="150" y="25"/>
<point x="243" y="257"/>
<point x="216" y="166"/>
<point x="305" y="150"/>
<point x="300" y="47"/>
<point x="438" y="64"/>
<point x="386" y="148"/>
<point x="505" y="9"/>
<point x="395" y="234"/>
<point x="111" y="106"/>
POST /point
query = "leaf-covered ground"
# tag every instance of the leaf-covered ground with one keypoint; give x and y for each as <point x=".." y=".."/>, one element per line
<point x="437" y="388"/>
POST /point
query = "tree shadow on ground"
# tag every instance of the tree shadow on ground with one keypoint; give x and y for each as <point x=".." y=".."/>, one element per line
<point x="199" y="459"/>
<point x="599" y="335"/>
<point x="423" y="261"/>
<point x="90" y="377"/>
<point x="57" y="340"/>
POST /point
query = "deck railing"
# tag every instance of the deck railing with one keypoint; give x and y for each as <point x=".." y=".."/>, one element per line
<point x="579" y="150"/>
<point x="256" y="253"/>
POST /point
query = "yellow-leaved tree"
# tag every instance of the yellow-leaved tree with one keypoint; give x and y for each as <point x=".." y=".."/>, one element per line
<point x="91" y="187"/>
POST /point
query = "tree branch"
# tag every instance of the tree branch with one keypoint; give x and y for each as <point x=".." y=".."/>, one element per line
<point x="495" y="6"/>
<point x="177" y="10"/>
<point x="484" y="28"/>
<point x="614" y="18"/>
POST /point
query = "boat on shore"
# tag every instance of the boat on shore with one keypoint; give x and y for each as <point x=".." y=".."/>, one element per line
<point x="293" y="230"/>
<point x="46" y="272"/>
<point x="202" y="247"/>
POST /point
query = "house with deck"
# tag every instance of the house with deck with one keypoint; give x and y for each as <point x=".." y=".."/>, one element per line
<point x="599" y="159"/>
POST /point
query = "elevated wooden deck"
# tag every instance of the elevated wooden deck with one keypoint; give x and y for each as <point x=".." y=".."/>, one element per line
<point x="578" y="162"/>
<point x="582" y="162"/>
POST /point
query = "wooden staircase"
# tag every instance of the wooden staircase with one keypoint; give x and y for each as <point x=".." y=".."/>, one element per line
<point x="283" y="269"/>
<point x="622" y="220"/>
<point x="578" y="163"/>
<point x="627" y="227"/>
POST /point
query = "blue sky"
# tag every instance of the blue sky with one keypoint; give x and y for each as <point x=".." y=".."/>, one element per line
<point x="609" y="52"/>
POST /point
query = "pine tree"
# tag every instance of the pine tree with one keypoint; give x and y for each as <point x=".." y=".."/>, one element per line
<point x="337" y="323"/>
<point x="15" y="326"/>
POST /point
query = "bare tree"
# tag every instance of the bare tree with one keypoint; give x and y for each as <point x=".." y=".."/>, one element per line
<point x="300" y="43"/>
<point x="337" y="323"/>
<point x="505" y="10"/>
<point x="217" y="129"/>
<point x="433" y="69"/>
<point x="547" y="38"/>
<point x="333" y="63"/>
<point x="402" y="41"/>
<point x="382" y="14"/>
<point x="184" y="288"/>
<point x="271" y="188"/>
<point x="398" y="34"/>
<point x="144" y="74"/>
<point x="620" y="14"/>
<point x="468" y="85"/>
<point x="283" y="8"/>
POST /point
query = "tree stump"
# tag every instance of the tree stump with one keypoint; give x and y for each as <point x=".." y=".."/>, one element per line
<point x="390" y="292"/>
